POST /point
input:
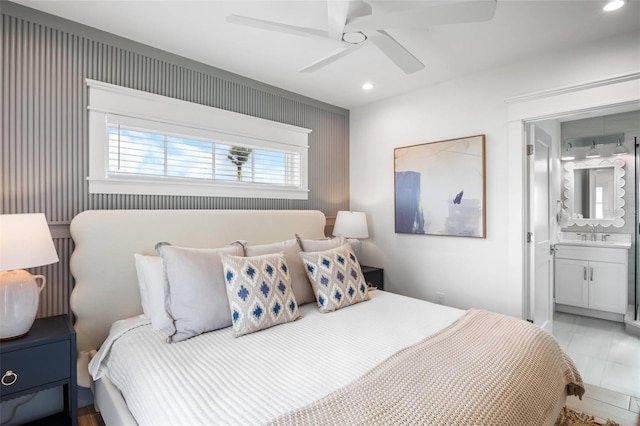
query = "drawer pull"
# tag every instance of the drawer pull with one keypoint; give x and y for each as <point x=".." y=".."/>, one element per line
<point x="9" y="378"/>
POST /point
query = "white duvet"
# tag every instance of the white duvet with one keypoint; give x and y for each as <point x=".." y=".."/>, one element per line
<point x="216" y="378"/>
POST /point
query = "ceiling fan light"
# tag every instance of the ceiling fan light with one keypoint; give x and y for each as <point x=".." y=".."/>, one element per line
<point x="355" y="37"/>
<point x="613" y="5"/>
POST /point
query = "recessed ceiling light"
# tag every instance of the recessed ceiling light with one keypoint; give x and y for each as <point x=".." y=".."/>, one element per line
<point x="367" y="86"/>
<point x="613" y="5"/>
<point x="354" y="37"/>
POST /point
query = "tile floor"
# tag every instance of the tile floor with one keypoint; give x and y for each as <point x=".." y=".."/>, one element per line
<point x="604" y="353"/>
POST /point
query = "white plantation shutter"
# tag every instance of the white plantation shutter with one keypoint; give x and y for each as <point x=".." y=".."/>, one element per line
<point x="143" y="152"/>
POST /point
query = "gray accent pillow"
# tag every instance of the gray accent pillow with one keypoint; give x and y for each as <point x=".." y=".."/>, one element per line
<point x="299" y="282"/>
<point x="336" y="277"/>
<point x="259" y="292"/>
<point x="320" y="245"/>
<point x="195" y="294"/>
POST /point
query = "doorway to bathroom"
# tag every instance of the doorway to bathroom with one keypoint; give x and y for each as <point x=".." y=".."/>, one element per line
<point x="580" y="268"/>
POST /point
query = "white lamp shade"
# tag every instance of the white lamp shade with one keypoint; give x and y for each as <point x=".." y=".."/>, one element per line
<point x="351" y="225"/>
<point x="25" y="241"/>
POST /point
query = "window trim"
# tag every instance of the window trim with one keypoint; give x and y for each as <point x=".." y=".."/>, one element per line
<point x="111" y="103"/>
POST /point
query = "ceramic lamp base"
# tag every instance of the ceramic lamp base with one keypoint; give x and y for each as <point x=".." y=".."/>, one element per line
<point x="356" y="245"/>
<point x="19" y="297"/>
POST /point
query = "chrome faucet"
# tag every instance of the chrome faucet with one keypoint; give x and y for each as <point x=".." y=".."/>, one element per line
<point x="593" y="232"/>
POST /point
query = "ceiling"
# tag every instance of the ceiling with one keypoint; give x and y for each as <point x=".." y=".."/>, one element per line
<point x="198" y="30"/>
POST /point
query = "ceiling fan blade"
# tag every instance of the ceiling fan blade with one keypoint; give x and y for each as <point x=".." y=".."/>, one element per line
<point x="340" y="53"/>
<point x="395" y="51"/>
<point x="425" y="17"/>
<point x="276" y="26"/>
<point x="336" y="18"/>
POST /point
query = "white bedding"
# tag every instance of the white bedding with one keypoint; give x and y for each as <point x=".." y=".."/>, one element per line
<point x="215" y="378"/>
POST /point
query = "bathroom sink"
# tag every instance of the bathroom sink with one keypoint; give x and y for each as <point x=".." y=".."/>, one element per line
<point x="612" y="240"/>
<point x="617" y="244"/>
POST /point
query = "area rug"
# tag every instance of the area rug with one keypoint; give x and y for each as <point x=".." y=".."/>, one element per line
<point x="569" y="417"/>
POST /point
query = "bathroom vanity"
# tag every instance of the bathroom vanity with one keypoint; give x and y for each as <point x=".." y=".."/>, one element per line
<point x="591" y="276"/>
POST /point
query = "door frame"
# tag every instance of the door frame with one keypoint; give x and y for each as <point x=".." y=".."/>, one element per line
<point x="614" y="94"/>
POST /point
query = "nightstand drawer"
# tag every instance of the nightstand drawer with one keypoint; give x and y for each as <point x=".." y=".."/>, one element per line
<point x="34" y="366"/>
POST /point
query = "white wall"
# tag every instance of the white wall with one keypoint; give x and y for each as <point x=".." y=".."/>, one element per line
<point x="470" y="272"/>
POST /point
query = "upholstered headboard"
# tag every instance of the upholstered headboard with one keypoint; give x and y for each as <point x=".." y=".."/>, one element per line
<point x="103" y="266"/>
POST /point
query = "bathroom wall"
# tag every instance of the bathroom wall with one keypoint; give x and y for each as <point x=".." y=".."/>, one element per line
<point x="629" y="124"/>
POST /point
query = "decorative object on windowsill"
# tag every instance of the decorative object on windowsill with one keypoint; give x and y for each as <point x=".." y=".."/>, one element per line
<point x="25" y="242"/>
<point x="352" y="225"/>
<point x="619" y="149"/>
<point x="239" y="155"/>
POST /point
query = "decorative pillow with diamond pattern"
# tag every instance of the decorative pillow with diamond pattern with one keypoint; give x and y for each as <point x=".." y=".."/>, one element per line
<point x="336" y="277"/>
<point x="259" y="292"/>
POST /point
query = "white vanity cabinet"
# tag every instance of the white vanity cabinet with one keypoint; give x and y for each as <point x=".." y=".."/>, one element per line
<point x="592" y="278"/>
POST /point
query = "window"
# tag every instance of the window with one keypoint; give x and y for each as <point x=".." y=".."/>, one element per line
<point x="151" y="144"/>
<point x="142" y="152"/>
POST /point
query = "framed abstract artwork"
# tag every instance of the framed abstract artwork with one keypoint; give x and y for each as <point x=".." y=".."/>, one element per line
<point x="440" y="188"/>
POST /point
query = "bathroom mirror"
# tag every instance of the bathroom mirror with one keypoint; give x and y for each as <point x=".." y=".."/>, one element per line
<point x="594" y="191"/>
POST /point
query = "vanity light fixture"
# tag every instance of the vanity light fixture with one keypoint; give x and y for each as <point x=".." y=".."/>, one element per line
<point x="568" y="153"/>
<point x="593" y="151"/>
<point x="619" y="149"/>
<point x="613" y="5"/>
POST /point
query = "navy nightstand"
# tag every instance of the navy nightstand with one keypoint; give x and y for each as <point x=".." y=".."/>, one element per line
<point x="373" y="276"/>
<point x="43" y="359"/>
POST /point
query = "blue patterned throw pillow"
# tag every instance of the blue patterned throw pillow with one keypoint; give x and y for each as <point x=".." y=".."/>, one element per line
<point x="259" y="292"/>
<point x="336" y="277"/>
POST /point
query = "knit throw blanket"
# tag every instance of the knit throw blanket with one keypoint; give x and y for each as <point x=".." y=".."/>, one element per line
<point x="484" y="369"/>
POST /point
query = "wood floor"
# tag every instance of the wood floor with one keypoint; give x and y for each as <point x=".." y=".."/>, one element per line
<point x="599" y="402"/>
<point x="87" y="416"/>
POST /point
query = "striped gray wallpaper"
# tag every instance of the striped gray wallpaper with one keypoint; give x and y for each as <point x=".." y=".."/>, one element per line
<point x="44" y="154"/>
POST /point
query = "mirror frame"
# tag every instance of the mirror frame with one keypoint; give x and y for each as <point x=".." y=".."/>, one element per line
<point x="619" y="172"/>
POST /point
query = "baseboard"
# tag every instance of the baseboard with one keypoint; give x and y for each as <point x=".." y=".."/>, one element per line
<point x="590" y="313"/>
<point x="631" y="326"/>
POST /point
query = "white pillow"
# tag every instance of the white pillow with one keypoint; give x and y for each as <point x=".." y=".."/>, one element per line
<point x="299" y="281"/>
<point x="321" y="245"/>
<point x="151" y="283"/>
<point x="194" y="288"/>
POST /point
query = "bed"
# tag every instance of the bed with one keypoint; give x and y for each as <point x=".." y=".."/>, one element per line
<point x="389" y="359"/>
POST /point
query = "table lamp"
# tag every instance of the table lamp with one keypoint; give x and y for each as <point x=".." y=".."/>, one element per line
<point x="25" y="242"/>
<point x="352" y="225"/>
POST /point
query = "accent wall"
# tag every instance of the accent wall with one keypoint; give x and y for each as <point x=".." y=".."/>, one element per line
<point x="44" y="155"/>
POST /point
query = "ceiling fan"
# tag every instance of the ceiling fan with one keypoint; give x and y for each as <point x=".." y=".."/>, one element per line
<point x="353" y="25"/>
